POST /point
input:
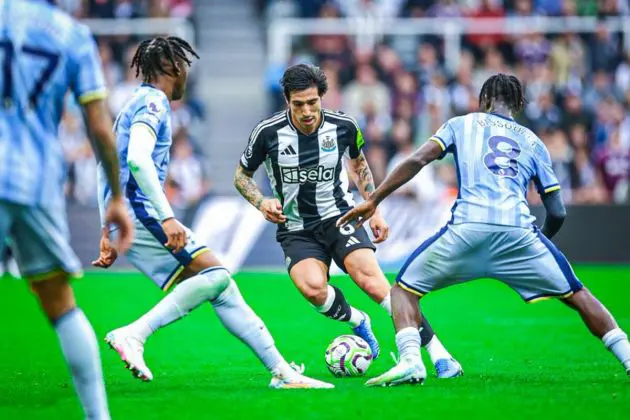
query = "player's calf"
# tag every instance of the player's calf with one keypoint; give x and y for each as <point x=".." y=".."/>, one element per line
<point x="601" y="324"/>
<point x="77" y="341"/>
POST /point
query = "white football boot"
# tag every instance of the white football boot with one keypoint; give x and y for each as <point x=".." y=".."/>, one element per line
<point x="130" y="350"/>
<point x="406" y="371"/>
<point x="294" y="379"/>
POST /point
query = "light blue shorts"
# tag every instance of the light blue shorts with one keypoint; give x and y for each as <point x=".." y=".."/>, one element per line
<point x="149" y="255"/>
<point x="40" y="238"/>
<point x="524" y="259"/>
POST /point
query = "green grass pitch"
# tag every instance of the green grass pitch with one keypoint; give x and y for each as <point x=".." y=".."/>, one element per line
<point x="521" y="361"/>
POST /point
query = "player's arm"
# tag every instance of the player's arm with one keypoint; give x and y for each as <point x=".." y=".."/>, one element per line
<point x="549" y="189"/>
<point x="361" y="175"/>
<point x="427" y="153"/>
<point x="253" y="156"/>
<point x="556" y="213"/>
<point x="271" y="208"/>
<point x="142" y="140"/>
<point x="409" y="168"/>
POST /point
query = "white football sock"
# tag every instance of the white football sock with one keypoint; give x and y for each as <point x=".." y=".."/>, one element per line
<point x="242" y="322"/>
<point x="617" y="342"/>
<point x="79" y="347"/>
<point x="436" y="350"/>
<point x="186" y="296"/>
<point x="356" y="317"/>
<point x="408" y="343"/>
<point x="387" y="304"/>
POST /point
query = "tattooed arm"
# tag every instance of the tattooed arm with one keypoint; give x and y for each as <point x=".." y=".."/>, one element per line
<point x="271" y="208"/>
<point x="362" y="175"/>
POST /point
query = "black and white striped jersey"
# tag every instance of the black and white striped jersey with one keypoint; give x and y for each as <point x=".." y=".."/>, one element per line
<point x="306" y="172"/>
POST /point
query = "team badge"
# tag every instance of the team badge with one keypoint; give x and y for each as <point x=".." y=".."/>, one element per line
<point x="329" y="144"/>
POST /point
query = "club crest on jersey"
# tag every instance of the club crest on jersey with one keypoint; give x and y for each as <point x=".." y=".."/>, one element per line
<point x="328" y="144"/>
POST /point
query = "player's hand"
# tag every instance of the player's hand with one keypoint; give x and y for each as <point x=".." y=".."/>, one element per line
<point x="379" y="227"/>
<point x="107" y="254"/>
<point x="175" y="234"/>
<point x="272" y="210"/>
<point x="359" y="214"/>
<point x="118" y="215"/>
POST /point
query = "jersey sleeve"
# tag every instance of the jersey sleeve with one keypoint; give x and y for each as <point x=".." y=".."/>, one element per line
<point x="87" y="81"/>
<point x="545" y="179"/>
<point x="256" y="151"/>
<point x="356" y="141"/>
<point x="444" y="137"/>
<point x="152" y="112"/>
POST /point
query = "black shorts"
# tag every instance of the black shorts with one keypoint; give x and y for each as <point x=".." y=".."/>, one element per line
<point x="325" y="242"/>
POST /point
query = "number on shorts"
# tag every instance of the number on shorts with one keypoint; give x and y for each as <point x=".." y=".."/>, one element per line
<point x="347" y="230"/>
<point x="501" y="160"/>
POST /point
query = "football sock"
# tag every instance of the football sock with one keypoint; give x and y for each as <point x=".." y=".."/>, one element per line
<point x="186" y="296"/>
<point x="387" y="304"/>
<point x="79" y="347"/>
<point x="426" y="331"/>
<point x="240" y="320"/>
<point x="336" y="307"/>
<point x="432" y="343"/>
<point x="408" y="343"/>
<point x="617" y="342"/>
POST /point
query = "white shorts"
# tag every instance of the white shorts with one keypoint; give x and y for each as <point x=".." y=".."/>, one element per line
<point x="40" y="238"/>
<point x="524" y="259"/>
<point x="149" y="255"/>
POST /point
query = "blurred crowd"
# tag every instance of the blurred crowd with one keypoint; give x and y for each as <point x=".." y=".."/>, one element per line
<point x="577" y="86"/>
<point x="187" y="181"/>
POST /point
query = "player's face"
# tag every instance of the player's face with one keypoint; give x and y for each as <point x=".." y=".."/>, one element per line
<point x="306" y="106"/>
<point x="179" y="88"/>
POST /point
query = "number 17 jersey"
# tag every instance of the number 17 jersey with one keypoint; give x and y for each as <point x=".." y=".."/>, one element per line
<point x="43" y="54"/>
<point x="496" y="158"/>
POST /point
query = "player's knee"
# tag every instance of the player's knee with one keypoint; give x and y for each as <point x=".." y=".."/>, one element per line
<point x="55" y="296"/>
<point x="315" y="294"/>
<point x="372" y="283"/>
<point x="219" y="280"/>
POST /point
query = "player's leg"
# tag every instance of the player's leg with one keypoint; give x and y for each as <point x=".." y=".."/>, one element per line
<point x="202" y="280"/>
<point x="601" y="324"/>
<point x="45" y="258"/>
<point x="446" y="258"/>
<point x="308" y="265"/>
<point x="362" y="266"/>
<point x="532" y="265"/>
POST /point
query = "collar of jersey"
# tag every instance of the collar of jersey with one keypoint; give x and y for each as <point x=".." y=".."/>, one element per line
<point x="501" y="116"/>
<point x="321" y="123"/>
<point x="145" y="84"/>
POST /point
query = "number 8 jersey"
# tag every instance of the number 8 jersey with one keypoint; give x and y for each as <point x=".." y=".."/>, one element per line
<point x="496" y="158"/>
<point x="43" y="54"/>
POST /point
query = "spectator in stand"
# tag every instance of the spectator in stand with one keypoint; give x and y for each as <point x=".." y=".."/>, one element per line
<point x="428" y="63"/>
<point x="487" y="9"/>
<point x="111" y="69"/>
<point x="121" y="93"/>
<point x="366" y="89"/>
<point x="186" y="173"/>
<point x="423" y="187"/>
<point x="613" y="163"/>
<point x="604" y="49"/>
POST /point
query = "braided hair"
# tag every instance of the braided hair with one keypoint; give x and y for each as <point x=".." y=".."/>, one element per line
<point x="152" y="55"/>
<point x="504" y="88"/>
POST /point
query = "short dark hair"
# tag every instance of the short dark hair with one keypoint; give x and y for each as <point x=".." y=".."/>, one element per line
<point x="505" y="88"/>
<point x="151" y="54"/>
<point x="302" y="77"/>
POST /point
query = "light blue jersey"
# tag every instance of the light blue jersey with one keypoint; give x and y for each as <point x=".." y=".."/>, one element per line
<point x="496" y="159"/>
<point x="151" y="107"/>
<point x="43" y="54"/>
<point x="491" y="233"/>
<point x="148" y="253"/>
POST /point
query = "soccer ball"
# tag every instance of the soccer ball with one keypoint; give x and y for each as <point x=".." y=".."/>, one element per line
<point x="348" y="355"/>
